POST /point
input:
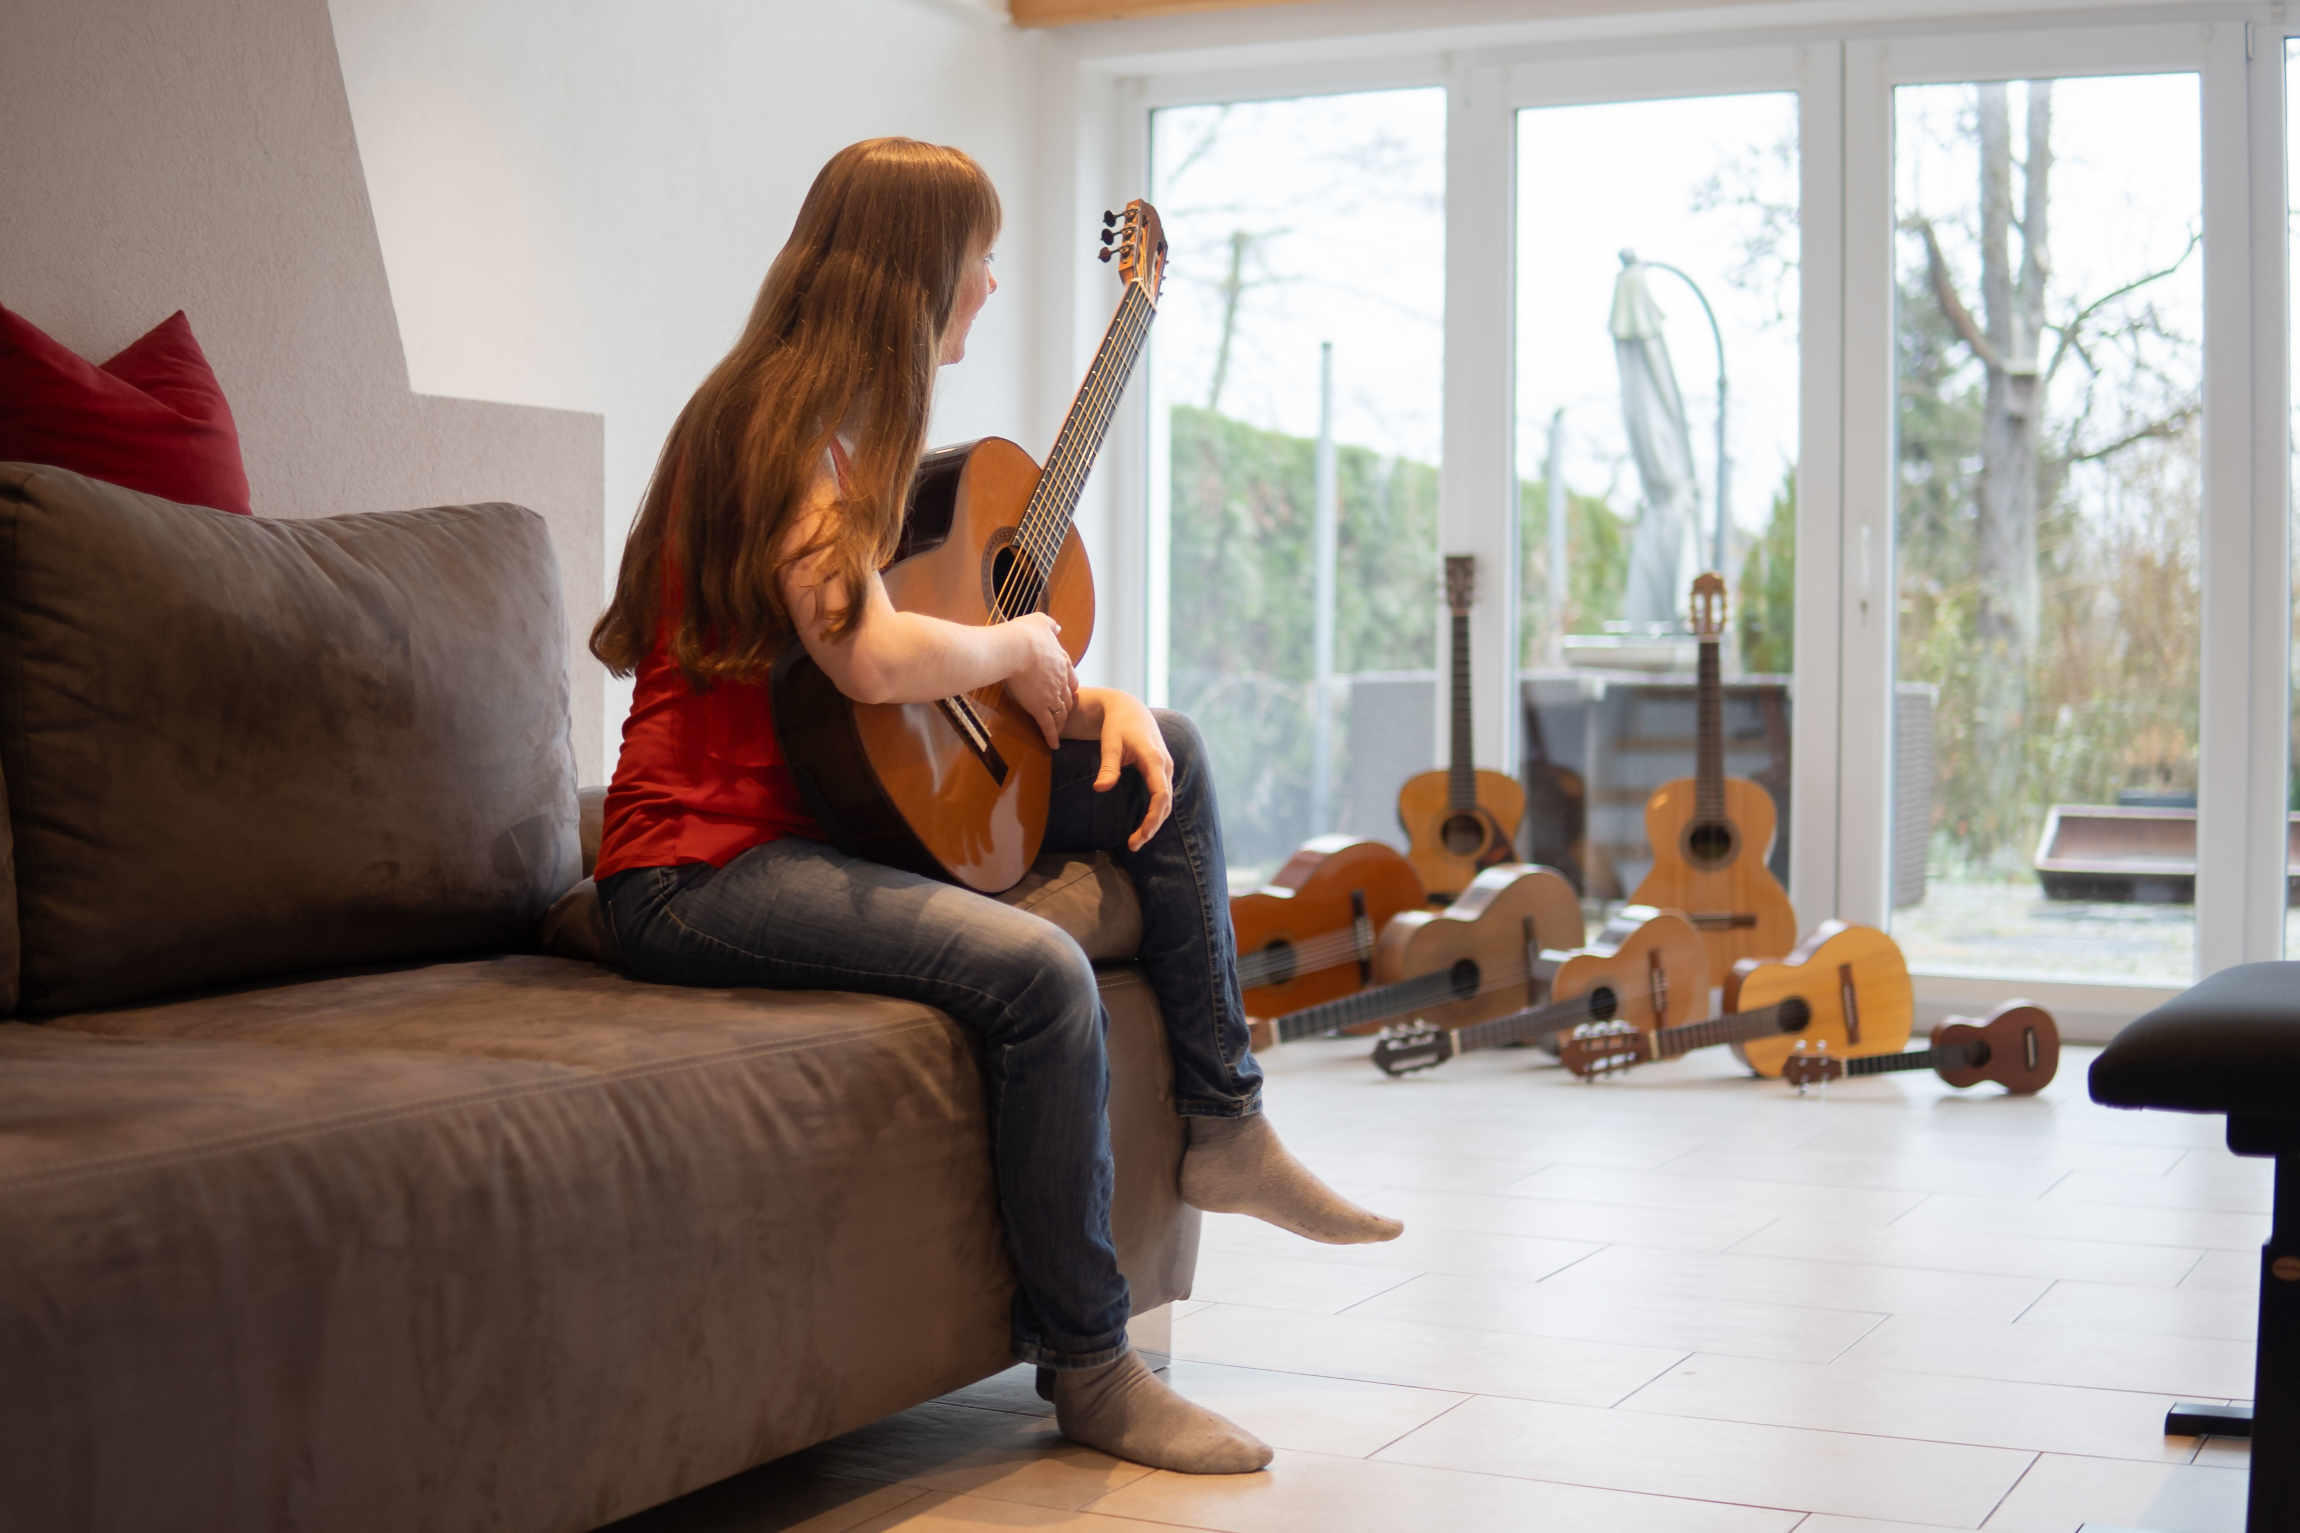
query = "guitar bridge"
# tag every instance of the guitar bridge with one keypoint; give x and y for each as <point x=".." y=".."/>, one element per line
<point x="976" y="734"/>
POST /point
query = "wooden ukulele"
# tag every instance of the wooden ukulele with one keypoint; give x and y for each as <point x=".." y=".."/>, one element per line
<point x="1462" y="820"/>
<point x="1650" y="975"/>
<point x="1845" y="985"/>
<point x="2018" y="1047"/>
<point x="1711" y="833"/>
<point x="1479" y="959"/>
<point x="958" y="788"/>
<point x="1308" y="935"/>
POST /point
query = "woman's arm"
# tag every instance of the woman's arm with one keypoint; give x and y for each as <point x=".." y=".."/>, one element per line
<point x="890" y="656"/>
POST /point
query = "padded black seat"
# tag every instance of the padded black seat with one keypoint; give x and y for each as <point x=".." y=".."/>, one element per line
<point x="2231" y="1045"/>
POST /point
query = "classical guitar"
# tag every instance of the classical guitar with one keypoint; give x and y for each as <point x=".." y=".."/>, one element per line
<point x="1652" y="974"/>
<point x="2018" y="1047"/>
<point x="1844" y="985"/>
<point x="958" y="788"/>
<point x="1480" y="958"/>
<point x="1463" y="819"/>
<point x="1308" y="934"/>
<point x="1711" y="833"/>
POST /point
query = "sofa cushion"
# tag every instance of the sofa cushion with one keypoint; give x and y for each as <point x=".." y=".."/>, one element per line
<point x="512" y="1242"/>
<point x="301" y="744"/>
<point x="152" y="418"/>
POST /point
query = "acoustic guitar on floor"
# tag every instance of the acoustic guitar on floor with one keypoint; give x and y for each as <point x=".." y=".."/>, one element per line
<point x="1711" y="833"/>
<point x="2018" y="1047"/>
<point x="1308" y="935"/>
<point x="1649" y="972"/>
<point x="958" y="788"/>
<point x="1463" y="819"/>
<point x="1478" y="959"/>
<point x="1845" y="986"/>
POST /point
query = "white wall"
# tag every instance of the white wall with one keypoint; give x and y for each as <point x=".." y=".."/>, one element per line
<point x="198" y="154"/>
<point x="577" y="202"/>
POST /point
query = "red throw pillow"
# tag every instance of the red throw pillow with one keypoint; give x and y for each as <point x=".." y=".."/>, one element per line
<point x="153" y="418"/>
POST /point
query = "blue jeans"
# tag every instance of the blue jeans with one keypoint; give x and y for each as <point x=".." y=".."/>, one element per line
<point x="798" y="914"/>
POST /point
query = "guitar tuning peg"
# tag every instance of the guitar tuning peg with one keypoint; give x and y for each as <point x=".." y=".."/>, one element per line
<point x="1109" y="235"/>
<point x="1108" y="218"/>
<point x="1101" y="255"/>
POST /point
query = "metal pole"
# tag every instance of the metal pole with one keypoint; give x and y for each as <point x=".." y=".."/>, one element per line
<point x="1328" y="554"/>
<point x="1554" y="473"/>
<point x="1724" y="474"/>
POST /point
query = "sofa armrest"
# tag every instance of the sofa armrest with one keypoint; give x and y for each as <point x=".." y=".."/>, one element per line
<point x="591" y="805"/>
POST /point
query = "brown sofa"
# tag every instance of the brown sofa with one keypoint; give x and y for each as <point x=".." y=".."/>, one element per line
<point x="328" y="1199"/>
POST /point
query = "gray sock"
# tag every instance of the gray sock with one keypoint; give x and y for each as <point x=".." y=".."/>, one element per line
<point x="1128" y="1412"/>
<point x="1237" y="1166"/>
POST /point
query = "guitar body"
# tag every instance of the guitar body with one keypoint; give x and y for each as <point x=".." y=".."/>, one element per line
<point x="1657" y="970"/>
<point x="1488" y="929"/>
<point x="2019" y="1048"/>
<point x="1854" y="983"/>
<point x="1447" y="846"/>
<point x="899" y="783"/>
<point x="1713" y="868"/>
<point x="1298" y="935"/>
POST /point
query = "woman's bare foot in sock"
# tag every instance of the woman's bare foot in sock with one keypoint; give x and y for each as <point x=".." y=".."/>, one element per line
<point x="1128" y="1412"/>
<point x="1237" y="1166"/>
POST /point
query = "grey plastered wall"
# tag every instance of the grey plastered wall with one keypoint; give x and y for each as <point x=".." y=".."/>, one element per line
<point x="198" y="154"/>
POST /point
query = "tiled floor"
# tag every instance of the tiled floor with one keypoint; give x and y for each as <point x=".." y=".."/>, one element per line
<point x="1680" y="1301"/>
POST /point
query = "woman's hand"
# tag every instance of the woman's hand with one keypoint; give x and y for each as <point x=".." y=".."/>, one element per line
<point x="1131" y="738"/>
<point x="1042" y="679"/>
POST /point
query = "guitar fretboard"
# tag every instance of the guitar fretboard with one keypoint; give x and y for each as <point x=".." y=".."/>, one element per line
<point x="1383" y="1001"/>
<point x="1955" y="1054"/>
<point x="1535" y="1023"/>
<point x="1709" y="747"/>
<point x="1739" y="1027"/>
<point x="1461" y="774"/>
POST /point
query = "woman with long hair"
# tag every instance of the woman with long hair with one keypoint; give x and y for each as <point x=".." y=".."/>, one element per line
<point x="778" y="498"/>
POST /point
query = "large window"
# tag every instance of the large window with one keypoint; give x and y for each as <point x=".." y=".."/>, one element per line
<point x="2049" y="386"/>
<point x="1297" y="380"/>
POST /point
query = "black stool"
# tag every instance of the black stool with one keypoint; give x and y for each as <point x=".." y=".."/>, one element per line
<point x="2232" y="1045"/>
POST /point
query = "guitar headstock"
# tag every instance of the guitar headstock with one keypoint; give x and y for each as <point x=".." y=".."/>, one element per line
<point x="1708" y="611"/>
<point x="1460" y="583"/>
<point x="1138" y="240"/>
<point x="1401" y="1051"/>
<point x="1811" y="1067"/>
<point x="1600" y="1048"/>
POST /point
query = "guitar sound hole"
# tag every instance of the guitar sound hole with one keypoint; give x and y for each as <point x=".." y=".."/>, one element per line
<point x="1603" y="1003"/>
<point x="1709" y="844"/>
<point x="1462" y="834"/>
<point x="998" y="568"/>
<point x="1463" y="977"/>
<point x="1277" y="965"/>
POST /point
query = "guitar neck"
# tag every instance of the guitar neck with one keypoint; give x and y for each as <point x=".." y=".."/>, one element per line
<point x="1739" y="1027"/>
<point x="1955" y="1054"/>
<point x="1054" y="503"/>
<point x="1709" y="748"/>
<point x="1461" y="774"/>
<point x="1366" y="1006"/>
<point x="1530" y="1025"/>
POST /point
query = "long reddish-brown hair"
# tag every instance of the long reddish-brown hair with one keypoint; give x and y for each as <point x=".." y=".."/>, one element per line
<point x="846" y="331"/>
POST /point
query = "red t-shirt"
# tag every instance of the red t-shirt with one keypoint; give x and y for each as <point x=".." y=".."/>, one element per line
<point x="702" y="777"/>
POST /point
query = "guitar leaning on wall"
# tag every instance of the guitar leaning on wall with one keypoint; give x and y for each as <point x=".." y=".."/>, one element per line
<point x="1844" y="986"/>
<point x="2018" y="1047"/>
<point x="1461" y="820"/>
<point x="958" y="788"/>
<point x="1648" y="971"/>
<point x="1711" y="833"/>
<point x="1478" y="959"/>
<point x="1308" y="935"/>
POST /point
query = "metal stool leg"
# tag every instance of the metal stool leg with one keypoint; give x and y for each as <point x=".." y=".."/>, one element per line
<point x="2274" y="1503"/>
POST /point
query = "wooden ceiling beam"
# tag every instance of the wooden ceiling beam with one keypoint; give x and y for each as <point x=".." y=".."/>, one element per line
<point x="1055" y="13"/>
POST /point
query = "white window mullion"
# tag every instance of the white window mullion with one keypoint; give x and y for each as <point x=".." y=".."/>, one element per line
<point x="2234" y="920"/>
<point x="1864" y="567"/>
<point x="2268" y="700"/>
<point x="1476" y="491"/>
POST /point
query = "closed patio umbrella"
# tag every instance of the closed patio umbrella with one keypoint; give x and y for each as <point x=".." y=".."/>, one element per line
<point x="1653" y="412"/>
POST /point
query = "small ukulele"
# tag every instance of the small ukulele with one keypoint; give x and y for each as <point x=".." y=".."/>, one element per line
<point x="1478" y="959"/>
<point x="1711" y="833"/>
<point x="1654" y="974"/>
<point x="1845" y="985"/>
<point x="1462" y="820"/>
<point x="2018" y="1047"/>
<point x="1308" y="934"/>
